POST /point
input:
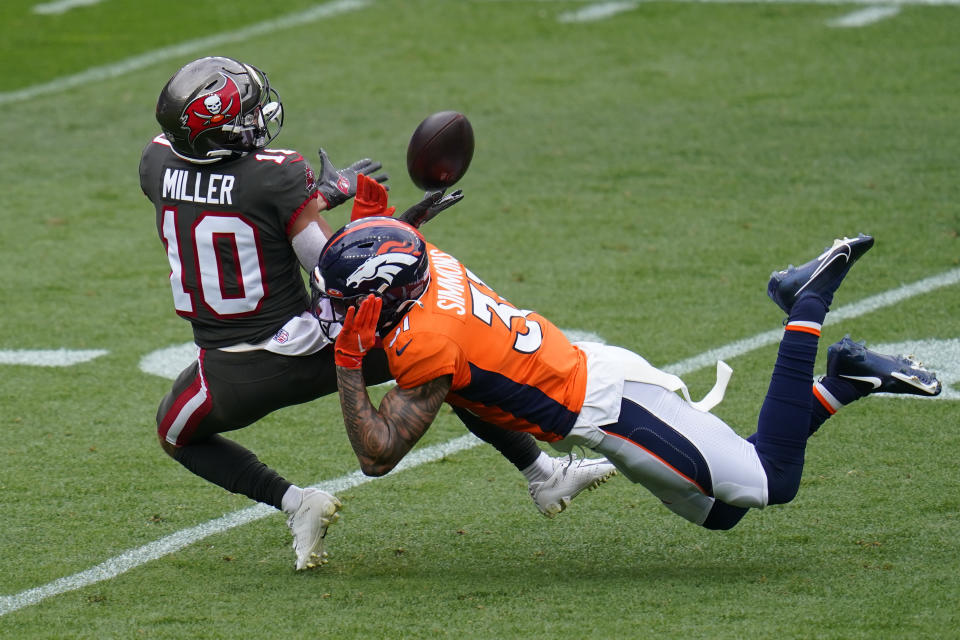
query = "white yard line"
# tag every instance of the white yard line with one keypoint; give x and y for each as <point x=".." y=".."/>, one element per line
<point x="123" y="67"/>
<point x="62" y="6"/>
<point x="598" y="11"/>
<point x="864" y="17"/>
<point x="49" y="357"/>
<point x="174" y="542"/>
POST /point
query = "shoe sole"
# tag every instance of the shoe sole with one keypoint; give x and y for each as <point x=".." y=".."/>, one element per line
<point x="849" y="349"/>
<point x="918" y="384"/>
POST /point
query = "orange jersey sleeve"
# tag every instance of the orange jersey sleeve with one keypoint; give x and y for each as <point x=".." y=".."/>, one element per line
<point x="510" y="367"/>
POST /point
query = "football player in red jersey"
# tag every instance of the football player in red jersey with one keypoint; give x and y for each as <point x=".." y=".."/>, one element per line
<point x="238" y="220"/>
<point x="450" y="338"/>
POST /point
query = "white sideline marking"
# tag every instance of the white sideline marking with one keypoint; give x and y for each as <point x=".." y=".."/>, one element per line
<point x="863" y="17"/>
<point x="62" y="6"/>
<point x="598" y="11"/>
<point x="122" y="67"/>
<point x="49" y="357"/>
<point x="174" y="542"/>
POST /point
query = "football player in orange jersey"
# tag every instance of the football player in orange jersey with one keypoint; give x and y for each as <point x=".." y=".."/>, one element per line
<point x="450" y="338"/>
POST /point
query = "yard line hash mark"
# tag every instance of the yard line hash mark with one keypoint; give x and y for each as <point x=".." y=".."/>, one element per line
<point x="598" y="11"/>
<point x="174" y="542"/>
<point x="49" y="357"/>
<point x="864" y="17"/>
<point x="62" y="6"/>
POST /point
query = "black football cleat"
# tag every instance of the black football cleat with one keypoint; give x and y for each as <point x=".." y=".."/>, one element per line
<point x="821" y="276"/>
<point x="883" y="374"/>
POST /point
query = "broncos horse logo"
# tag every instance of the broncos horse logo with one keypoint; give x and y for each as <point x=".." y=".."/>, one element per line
<point x="384" y="266"/>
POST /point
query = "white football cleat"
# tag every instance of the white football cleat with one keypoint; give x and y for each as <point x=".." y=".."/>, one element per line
<point x="571" y="476"/>
<point x="318" y="510"/>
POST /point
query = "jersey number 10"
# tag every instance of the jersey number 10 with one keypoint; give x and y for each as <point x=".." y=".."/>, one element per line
<point x="246" y="278"/>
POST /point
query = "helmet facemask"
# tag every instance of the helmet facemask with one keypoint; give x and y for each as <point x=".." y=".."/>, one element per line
<point x="258" y="127"/>
<point x="330" y="310"/>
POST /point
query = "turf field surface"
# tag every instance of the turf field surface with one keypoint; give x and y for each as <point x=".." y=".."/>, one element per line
<point x="639" y="172"/>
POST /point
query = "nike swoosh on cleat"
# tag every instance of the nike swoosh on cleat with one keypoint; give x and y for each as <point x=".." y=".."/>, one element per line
<point x="823" y="266"/>
<point x="875" y="381"/>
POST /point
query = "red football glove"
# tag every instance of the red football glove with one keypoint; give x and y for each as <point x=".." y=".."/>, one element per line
<point x="371" y="199"/>
<point x="359" y="333"/>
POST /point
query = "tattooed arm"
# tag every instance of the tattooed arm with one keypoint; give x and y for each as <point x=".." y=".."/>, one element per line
<point x="382" y="437"/>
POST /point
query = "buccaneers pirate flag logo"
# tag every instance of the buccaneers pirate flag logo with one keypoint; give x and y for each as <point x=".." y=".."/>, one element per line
<point x="212" y="109"/>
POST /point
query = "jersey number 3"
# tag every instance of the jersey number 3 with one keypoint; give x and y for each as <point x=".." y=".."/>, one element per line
<point x="486" y="307"/>
<point x="246" y="278"/>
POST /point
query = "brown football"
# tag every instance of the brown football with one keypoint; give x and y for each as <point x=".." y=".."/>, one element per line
<point x="440" y="150"/>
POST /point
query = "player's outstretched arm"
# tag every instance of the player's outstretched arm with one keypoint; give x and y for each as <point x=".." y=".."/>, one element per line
<point x="380" y="437"/>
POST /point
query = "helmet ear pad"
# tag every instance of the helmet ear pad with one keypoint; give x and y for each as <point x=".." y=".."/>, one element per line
<point x="216" y="107"/>
<point x="378" y="255"/>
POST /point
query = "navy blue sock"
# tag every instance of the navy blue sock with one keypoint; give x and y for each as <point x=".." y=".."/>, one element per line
<point x="784" y="423"/>
<point x="723" y="516"/>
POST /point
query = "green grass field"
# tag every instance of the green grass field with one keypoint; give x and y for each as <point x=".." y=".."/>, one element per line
<point x="636" y="176"/>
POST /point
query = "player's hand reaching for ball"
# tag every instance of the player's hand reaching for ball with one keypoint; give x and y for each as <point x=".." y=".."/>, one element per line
<point x="371" y="199"/>
<point x="336" y="186"/>
<point x="433" y="203"/>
